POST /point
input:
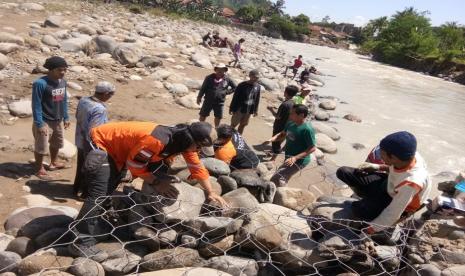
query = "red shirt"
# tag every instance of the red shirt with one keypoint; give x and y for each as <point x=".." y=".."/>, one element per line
<point x="297" y="63"/>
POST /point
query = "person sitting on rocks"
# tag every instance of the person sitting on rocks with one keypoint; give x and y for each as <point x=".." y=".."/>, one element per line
<point x="207" y="41"/>
<point x="295" y="67"/>
<point x="282" y="117"/>
<point x="50" y="113"/>
<point x="245" y="101"/>
<point x="231" y="148"/>
<point x="237" y="52"/>
<point x="305" y="90"/>
<point x="91" y="112"/>
<point x="385" y="198"/>
<point x="300" y="143"/>
<point x="147" y="150"/>
<point x="215" y="87"/>
<point x="216" y="38"/>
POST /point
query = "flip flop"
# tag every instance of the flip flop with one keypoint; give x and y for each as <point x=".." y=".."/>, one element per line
<point x="59" y="167"/>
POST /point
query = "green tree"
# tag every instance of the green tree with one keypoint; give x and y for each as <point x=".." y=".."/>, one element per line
<point x="282" y="25"/>
<point x="408" y="36"/>
<point x="249" y="14"/>
<point x="277" y="8"/>
<point x="451" y="40"/>
<point x="301" y="20"/>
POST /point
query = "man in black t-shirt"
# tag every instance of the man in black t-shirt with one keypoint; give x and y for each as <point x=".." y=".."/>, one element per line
<point x="282" y="116"/>
<point x="215" y="87"/>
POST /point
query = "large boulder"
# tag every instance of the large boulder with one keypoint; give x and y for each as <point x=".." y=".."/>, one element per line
<point x="170" y="258"/>
<point x="31" y="7"/>
<point x="3" y="61"/>
<point x="54" y="21"/>
<point x="86" y="267"/>
<point x="193" y="84"/>
<point x="22" y="109"/>
<point x="36" y="263"/>
<point x="293" y="198"/>
<point x="49" y="40"/>
<point x="187" y="204"/>
<point x="215" y="166"/>
<point x="9" y="261"/>
<point x="75" y="44"/>
<point x="188" y="101"/>
<point x="11" y="38"/>
<point x="227" y="183"/>
<point x="213" y="226"/>
<point x="234" y="265"/>
<point x="104" y="44"/>
<point x="4" y="241"/>
<point x="23" y="246"/>
<point x="211" y="248"/>
<point x="328" y="104"/>
<point x="202" y="60"/>
<point x="336" y="210"/>
<point x="177" y="89"/>
<point x="269" y="84"/>
<point x="241" y="200"/>
<point x="325" y="129"/>
<point x="325" y="144"/>
<point x="128" y="53"/>
<point x="8" y="47"/>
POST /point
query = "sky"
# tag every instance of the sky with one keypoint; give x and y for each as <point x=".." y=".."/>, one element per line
<point x="359" y="12"/>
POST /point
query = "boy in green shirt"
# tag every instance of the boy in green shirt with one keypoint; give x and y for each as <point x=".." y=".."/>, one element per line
<point x="302" y="97"/>
<point x="300" y="143"/>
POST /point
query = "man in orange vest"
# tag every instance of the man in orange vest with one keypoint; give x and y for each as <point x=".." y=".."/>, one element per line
<point x="146" y="150"/>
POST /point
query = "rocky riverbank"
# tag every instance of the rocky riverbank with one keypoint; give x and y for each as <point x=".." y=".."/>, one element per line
<point x="158" y="67"/>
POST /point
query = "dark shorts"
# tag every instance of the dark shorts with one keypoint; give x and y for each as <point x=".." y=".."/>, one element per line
<point x="207" y="107"/>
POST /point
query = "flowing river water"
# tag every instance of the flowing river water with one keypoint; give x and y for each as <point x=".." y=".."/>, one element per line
<point x="389" y="99"/>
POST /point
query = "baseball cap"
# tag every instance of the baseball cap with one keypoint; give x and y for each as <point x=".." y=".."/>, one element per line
<point x="104" y="87"/>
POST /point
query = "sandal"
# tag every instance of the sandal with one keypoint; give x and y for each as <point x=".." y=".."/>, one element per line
<point x="59" y="166"/>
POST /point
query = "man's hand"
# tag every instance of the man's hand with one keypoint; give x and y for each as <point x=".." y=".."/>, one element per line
<point x="216" y="198"/>
<point x="166" y="190"/>
<point x="290" y="161"/>
<point x="43" y="130"/>
<point x="199" y="100"/>
<point x="67" y="124"/>
<point x="369" y="167"/>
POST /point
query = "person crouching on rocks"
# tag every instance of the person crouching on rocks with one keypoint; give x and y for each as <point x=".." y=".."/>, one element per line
<point x="147" y="150"/>
<point x="300" y="143"/>
<point x="50" y="113"/>
<point x="215" y="87"/>
<point x="231" y="148"/>
<point x="91" y="112"/>
<point x="385" y="198"/>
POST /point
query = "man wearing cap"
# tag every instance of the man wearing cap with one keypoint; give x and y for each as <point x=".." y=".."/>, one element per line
<point x="305" y="90"/>
<point x="214" y="89"/>
<point x="91" y="112"/>
<point x="385" y="198"/>
<point x="146" y="149"/>
<point x="245" y="101"/>
<point x="50" y="113"/>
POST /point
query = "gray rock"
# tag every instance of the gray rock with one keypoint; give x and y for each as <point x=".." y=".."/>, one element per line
<point x="450" y="257"/>
<point x="325" y="144"/>
<point x="213" y="226"/>
<point x="247" y="178"/>
<point x="352" y="118"/>
<point x="151" y="61"/>
<point x="127" y="53"/>
<point x="23" y="246"/>
<point x="74" y="86"/>
<point x="389" y="256"/>
<point x="148" y="33"/>
<point x="193" y="84"/>
<point x="170" y="258"/>
<point x="86" y="29"/>
<point x="104" y="44"/>
<point x="270" y="85"/>
<point x="328" y="104"/>
<point x="22" y="109"/>
<point x="215" y="166"/>
<point x="454" y="271"/>
<point x="86" y="267"/>
<point x="178" y="89"/>
<point x="293" y="198"/>
<point x="50" y="41"/>
<point x="202" y="60"/>
<point x="188" y="101"/>
<point x="36" y="263"/>
<point x="53" y="21"/>
<point x="8" y="47"/>
<point x="358" y="146"/>
<point x="31" y="7"/>
<point x="162" y="74"/>
<point x="187" y="204"/>
<point x="211" y="248"/>
<point x="189" y="241"/>
<point x="4" y="241"/>
<point x="3" y="61"/>
<point x="325" y="129"/>
<point x="168" y="237"/>
<point x="148" y="238"/>
<point x="322" y="116"/>
<point x="457" y="234"/>
<point x="11" y="38"/>
<point x="121" y="265"/>
<point x="227" y="183"/>
<point x="241" y="199"/>
<point x="75" y="44"/>
<point x="429" y="270"/>
<point x="9" y="261"/>
<point x="234" y="265"/>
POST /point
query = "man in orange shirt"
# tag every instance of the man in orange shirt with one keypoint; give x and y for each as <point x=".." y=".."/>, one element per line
<point x="146" y="150"/>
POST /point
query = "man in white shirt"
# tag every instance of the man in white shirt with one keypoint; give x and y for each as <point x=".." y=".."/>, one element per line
<point x="384" y="199"/>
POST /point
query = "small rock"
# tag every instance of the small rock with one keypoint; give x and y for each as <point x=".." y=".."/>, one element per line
<point x="54" y="21"/>
<point x="135" y="77"/>
<point x="88" y="30"/>
<point x="86" y="267"/>
<point x="31" y="7"/>
<point x="215" y="166"/>
<point x="227" y="183"/>
<point x="234" y="265"/>
<point x="189" y="241"/>
<point x="68" y="151"/>
<point x="9" y="261"/>
<point x="121" y="265"/>
<point x="352" y="118"/>
<point x="454" y="271"/>
<point x="328" y="105"/>
<point x="75" y="44"/>
<point x="358" y="146"/>
<point x="324" y="128"/>
<point x="50" y="41"/>
<point x="216" y="248"/>
<point x="322" y="116"/>
<point x="325" y="144"/>
<point x="295" y="199"/>
<point x="127" y="53"/>
<point x="22" y="109"/>
<point x="74" y="86"/>
<point x="36" y="263"/>
<point x="78" y="69"/>
<point x="201" y="60"/>
<point x="3" y="61"/>
<point x="188" y="101"/>
<point x="151" y="62"/>
<point x="170" y="258"/>
<point x="23" y="246"/>
<point x="213" y="226"/>
<point x="429" y="270"/>
<point x="11" y="38"/>
<point x="4" y="241"/>
<point x="7" y="47"/>
<point x="177" y="89"/>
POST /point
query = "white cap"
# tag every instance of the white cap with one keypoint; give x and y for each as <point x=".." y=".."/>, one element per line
<point x="105" y="87"/>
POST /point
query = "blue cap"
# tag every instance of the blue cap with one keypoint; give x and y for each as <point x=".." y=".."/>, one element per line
<point x="401" y="144"/>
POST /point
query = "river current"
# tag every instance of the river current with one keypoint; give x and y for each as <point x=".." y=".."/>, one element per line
<point x="389" y="99"/>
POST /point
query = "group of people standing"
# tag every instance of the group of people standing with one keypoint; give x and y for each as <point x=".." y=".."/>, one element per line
<point x="106" y="149"/>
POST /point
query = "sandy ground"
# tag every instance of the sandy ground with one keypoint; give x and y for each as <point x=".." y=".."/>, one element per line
<point x="17" y="181"/>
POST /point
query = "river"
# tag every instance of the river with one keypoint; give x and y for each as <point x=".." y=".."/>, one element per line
<point x="389" y="99"/>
